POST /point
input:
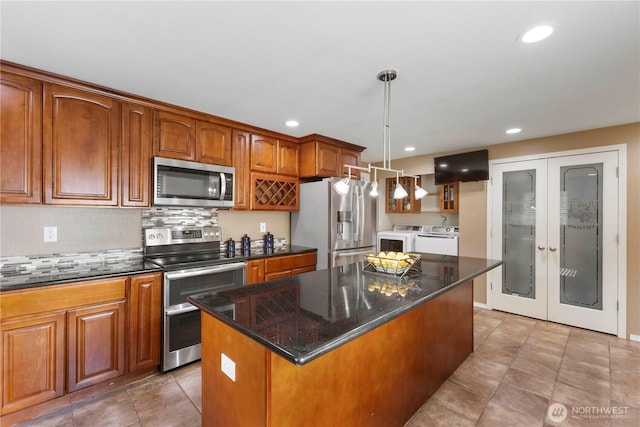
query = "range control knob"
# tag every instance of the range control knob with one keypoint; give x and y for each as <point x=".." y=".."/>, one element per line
<point x="152" y="236"/>
<point x="160" y="236"/>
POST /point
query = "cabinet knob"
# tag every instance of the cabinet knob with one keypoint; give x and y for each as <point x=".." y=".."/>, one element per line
<point x="541" y="247"/>
<point x="552" y="248"/>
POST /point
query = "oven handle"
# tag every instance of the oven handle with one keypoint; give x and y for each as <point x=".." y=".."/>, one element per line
<point x="206" y="270"/>
<point x="434" y="236"/>
<point x="185" y="308"/>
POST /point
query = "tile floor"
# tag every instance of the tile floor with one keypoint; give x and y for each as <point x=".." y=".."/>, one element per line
<point x="520" y="368"/>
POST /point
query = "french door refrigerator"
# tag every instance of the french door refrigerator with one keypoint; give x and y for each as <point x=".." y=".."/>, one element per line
<point x="342" y="227"/>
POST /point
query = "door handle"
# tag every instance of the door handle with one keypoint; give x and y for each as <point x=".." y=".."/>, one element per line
<point x="541" y="247"/>
<point x="552" y="248"/>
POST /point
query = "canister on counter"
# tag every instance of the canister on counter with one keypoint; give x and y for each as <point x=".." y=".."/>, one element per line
<point x="246" y="244"/>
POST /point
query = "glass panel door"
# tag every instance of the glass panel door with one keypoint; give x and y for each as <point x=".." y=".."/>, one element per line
<point x="583" y="224"/>
<point x="519" y="237"/>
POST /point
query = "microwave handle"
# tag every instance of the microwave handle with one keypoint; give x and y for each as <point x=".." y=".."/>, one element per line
<point x="223" y="185"/>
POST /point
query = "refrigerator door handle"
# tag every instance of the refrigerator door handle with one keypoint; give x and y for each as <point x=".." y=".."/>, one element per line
<point x="352" y="253"/>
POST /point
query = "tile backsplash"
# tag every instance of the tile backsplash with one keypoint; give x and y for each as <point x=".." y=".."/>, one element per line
<point x="179" y="216"/>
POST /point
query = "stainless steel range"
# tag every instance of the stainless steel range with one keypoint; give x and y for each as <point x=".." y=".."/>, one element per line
<point x="193" y="264"/>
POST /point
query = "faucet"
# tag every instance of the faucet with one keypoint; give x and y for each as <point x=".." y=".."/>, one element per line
<point x="444" y="218"/>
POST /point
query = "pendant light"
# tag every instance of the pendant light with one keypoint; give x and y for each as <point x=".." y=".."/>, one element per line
<point x="342" y="186"/>
<point x="419" y="192"/>
<point x="399" y="192"/>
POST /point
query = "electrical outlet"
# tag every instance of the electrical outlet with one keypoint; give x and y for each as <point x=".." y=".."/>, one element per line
<point x="228" y="367"/>
<point x="263" y="227"/>
<point x="51" y="234"/>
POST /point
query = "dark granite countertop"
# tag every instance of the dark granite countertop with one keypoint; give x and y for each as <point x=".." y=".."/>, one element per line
<point x="305" y="316"/>
<point x="257" y="253"/>
<point x="38" y="277"/>
<point x="69" y="272"/>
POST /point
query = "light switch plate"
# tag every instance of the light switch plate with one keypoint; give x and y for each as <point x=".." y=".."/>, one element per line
<point x="228" y="367"/>
<point x="263" y="227"/>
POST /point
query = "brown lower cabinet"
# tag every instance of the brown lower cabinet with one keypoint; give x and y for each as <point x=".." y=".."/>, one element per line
<point x="63" y="338"/>
<point x="259" y="270"/>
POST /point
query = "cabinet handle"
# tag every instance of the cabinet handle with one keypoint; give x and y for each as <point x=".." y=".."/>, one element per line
<point x="552" y="249"/>
<point x="541" y="247"/>
<point x="146" y="285"/>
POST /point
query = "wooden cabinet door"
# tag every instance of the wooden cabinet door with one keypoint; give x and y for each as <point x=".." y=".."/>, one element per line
<point x="20" y="139"/>
<point x="349" y="157"/>
<point x="288" y="158"/>
<point x="242" y="180"/>
<point x="95" y="346"/>
<point x="145" y="320"/>
<point x="255" y="271"/>
<point x="80" y="146"/>
<point x="135" y="164"/>
<point x="449" y="198"/>
<point x="328" y="160"/>
<point x="264" y="154"/>
<point x="174" y="136"/>
<point x="303" y="270"/>
<point x="213" y="143"/>
<point x="33" y="361"/>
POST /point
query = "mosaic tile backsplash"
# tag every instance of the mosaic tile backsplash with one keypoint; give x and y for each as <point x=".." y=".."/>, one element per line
<point x="47" y="265"/>
<point x="179" y="216"/>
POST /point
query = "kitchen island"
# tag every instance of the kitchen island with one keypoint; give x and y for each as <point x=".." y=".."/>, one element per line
<point x="332" y="348"/>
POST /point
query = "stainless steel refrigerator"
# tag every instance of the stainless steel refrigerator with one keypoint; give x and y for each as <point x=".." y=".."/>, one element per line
<point x="342" y="227"/>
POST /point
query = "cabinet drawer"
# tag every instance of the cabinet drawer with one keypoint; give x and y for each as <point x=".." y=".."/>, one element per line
<point x="60" y="297"/>
<point x="289" y="262"/>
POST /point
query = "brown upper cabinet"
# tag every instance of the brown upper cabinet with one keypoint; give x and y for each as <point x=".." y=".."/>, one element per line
<point x="186" y="138"/>
<point x="175" y="136"/>
<point x="322" y="157"/>
<point x="449" y="198"/>
<point x="213" y="143"/>
<point x="81" y="132"/>
<point x="242" y="180"/>
<point x="408" y="204"/>
<point x="271" y="155"/>
<point x="135" y="155"/>
<point x="21" y="139"/>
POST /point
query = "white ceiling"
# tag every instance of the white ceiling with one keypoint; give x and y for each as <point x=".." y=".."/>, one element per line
<point x="463" y="78"/>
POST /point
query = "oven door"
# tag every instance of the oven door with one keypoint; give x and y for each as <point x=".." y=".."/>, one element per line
<point x="181" y="337"/>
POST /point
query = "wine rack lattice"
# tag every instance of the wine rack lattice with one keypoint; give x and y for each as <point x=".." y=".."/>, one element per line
<point x="274" y="192"/>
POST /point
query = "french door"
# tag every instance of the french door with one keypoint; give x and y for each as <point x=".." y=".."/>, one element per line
<point x="555" y="224"/>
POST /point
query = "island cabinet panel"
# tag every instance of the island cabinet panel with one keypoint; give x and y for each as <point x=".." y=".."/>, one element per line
<point x="81" y="134"/>
<point x="174" y="136"/>
<point x="137" y="133"/>
<point x="213" y="143"/>
<point x="380" y="378"/>
<point x="145" y="321"/>
<point x="20" y="139"/>
<point x="242" y="180"/>
<point x="95" y="344"/>
<point x="33" y="360"/>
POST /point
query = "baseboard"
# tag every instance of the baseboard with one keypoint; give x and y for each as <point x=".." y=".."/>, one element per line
<point x="633" y="337"/>
<point x="480" y="305"/>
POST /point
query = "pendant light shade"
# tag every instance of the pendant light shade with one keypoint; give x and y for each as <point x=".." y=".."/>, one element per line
<point x="374" y="189"/>
<point x="399" y="192"/>
<point x="342" y="186"/>
<point x="419" y="192"/>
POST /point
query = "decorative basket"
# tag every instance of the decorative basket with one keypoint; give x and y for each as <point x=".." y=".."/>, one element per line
<point x="392" y="263"/>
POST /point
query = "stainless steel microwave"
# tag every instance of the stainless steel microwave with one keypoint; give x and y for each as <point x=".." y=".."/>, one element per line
<point x="183" y="183"/>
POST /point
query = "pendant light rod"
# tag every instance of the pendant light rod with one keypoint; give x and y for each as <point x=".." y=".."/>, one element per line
<point x="386" y="76"/>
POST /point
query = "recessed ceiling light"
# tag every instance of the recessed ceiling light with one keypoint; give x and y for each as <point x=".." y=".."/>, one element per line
<point x="409" y="148"/>
<point x="291" y="123"/>
<point x="536" y="34"/>
<point x="513" y="130"/>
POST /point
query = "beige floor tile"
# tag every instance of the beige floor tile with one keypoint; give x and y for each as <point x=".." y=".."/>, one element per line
<point x="191" y="384"/>
<point x="60" y="418"/>
<point x="185" y="371"/>
<point x="521" y="400"/>
<point x="624" y="344"/>
<point x="99" y="403"/>
<point x="575" y="353"/>
<point x="179" y="414"/>
<point x="496" y="414"/>
<point x="118" y="414"/>
<point x="432" y="414"/>
<point x="529" y="382"/>
<point x="540" y="354"/>
<point x="486" y="365"/>
<point x="625" y="388"/>
<point x="460" y="400"/>
<point x="625" y="415"/>
<point x="573" y="396"/>
<point x="536" y="367"/>
<point x="475" y="381"/>
<point x="158" y="399"/>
